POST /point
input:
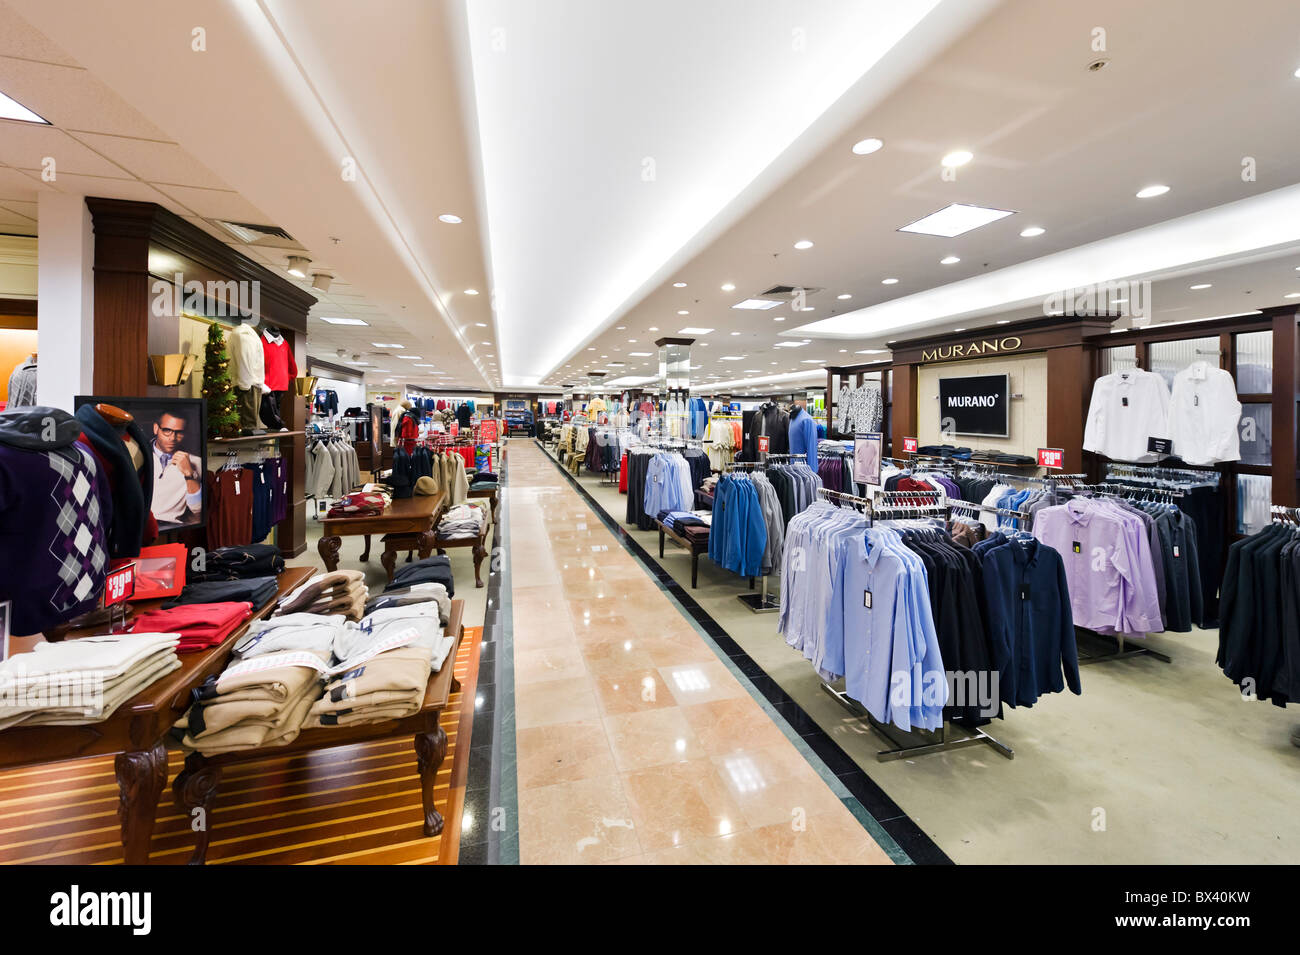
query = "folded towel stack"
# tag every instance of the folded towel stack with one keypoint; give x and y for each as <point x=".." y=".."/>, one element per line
<point x="82" y="681"/>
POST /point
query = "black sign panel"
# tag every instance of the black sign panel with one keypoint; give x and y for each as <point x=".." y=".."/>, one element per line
<point x="975" y="405"/>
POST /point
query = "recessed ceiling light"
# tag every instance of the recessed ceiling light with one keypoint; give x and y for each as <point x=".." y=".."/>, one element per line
<point x="732" y="358"/>
<point x="959" y="329"/>
<point x="1032" y="231"/>
<point x="865" y="147"/>
<point x="889" y="281"/>
<point x="955" y="220"/>
<point x="622" y="327"/>
<point x="812" y="361"/>
<point x="1292" y="295"/>
<point x="679" y="285"/>
<point x="358" y="363"/>
<point x="591" y="349"/>
<point x="789" y="344"/>
<point x="450" y="219"/>
<point x="471" y="291"/>
<point x="640" y="354"/>
<point x="778" y="319"/>
<point x="958" y="157"/>
<point x="1003" y="321"/>
<point x="653" y="328"/>
<point x="344" y="321"/>
<point x="410" y="357"/>
<point x="949" y="260"/>
<point x="803" y="244"/>
<point x="846" y="295"/>
<point x="690" y="330"/>
<point x="1296" y="74"/>
<point x="683" y="311"/>
<point x="12" y="109"/>
<point x="480" y="324"/>
<point x="485" y="343"/>
<point x="757" y="303"/>
<point x="728" y="287"/>
<point x="1151" y="192"/>
<point x="298" y="265"/>
<point x="881" y="351"/>
<point x="424" y="366"/>
<point x="735" y="333"/>
<point x="1197" y="288"/>
<point x="382" y="345"/>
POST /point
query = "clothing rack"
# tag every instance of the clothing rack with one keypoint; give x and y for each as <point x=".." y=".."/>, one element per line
<point x="1000" y="511"/>
<point x="919" y="742"/>
<point x="1155" y="472"/>
<point x="1281" y="514"/>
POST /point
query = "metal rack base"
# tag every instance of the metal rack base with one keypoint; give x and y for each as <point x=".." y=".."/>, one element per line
<point x="905" y="750"/>
<point x="1123" y="651"/>
<point x="761" y="602"/>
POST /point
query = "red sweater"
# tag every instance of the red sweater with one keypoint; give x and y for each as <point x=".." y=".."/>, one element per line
<point x="280" y="365"/>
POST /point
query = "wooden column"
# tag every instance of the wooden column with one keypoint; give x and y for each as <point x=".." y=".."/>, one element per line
<point x="1286" y="356"/>
<point x="122" y="231"/>
<point x="1070" y="374"/>
<point x="905" y="418"/>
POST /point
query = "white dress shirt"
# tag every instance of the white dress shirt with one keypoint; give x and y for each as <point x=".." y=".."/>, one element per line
<point x="1203" y="415"/>
<point x="1127" y="408"/>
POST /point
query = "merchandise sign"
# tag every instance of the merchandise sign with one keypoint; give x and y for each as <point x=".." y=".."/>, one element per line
<point x="764" y="442"/>
<point x="976" y="405"/>
<point x="909" y="445"/>
<point x="866" y="457"/>
<point x="119" y="585"/>
<point x="455" y="428"/>
<point x="488" y="431"/>
<point x="1160" y="445"/>
<point x="1051" y="458"/>
<point x="735" y="407"/>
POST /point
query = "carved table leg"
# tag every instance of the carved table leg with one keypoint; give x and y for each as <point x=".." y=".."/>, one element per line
<point x="389" y="560"/>
<point x="479" y="553"/>
<point x="141" y="777"/>
<point x="430" y="750"/>
<point x="426" y="542"/>
<point x="365" y="554"/>
<point x="328" y="548"/>
<point x="195" y="791"/>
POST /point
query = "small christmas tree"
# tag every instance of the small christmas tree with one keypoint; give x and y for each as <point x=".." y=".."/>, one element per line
<point x="218" y="389"/>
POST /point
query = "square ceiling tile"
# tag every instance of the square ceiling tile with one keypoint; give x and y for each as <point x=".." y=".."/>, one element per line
<point x="15" y="224"/>
<point x="216" y="204"/>
<point x="72" y="99"/>
<point x="131" y="189"/>
<point x="26" y="146"/>
<point x="20" y="39"/>
<point x="19" y="186"/>
<point x="154" y="161"/>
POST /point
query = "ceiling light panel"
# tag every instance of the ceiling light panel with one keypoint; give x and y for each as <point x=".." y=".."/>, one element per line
<point x="757" y="303"/>
<point x="956" y="219"/>
<point x="690" y="330"/>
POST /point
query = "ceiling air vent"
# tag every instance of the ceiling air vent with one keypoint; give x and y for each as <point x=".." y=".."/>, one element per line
<point x="262" y="235"/>
<point x="788" y="290"/>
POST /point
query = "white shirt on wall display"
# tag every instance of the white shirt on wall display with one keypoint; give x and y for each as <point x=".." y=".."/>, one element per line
<point x="1203" y="415"/>
<point x="1127" y="409"/>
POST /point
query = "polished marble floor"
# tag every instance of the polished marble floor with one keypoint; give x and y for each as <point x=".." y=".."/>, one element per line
<point x="635" y="742"/>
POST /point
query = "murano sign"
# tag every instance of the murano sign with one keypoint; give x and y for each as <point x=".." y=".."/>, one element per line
<point x="987" y="346"/>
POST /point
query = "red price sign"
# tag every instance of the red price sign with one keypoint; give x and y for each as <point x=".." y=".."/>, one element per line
<point x="455" y="428"/>
<point x="1051" y="458"/>
<point x="909" y="445"/>
<point x="488" y="431"/>
<point x="764" y="442"/>
<point x="119" y="585"/>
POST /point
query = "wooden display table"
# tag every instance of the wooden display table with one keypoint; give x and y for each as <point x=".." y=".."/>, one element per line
<point x="696" y="546"/>
<point x="492" y="494"/>
<point x="414" y="517"/>
<point x="196" y="785"/>
<point x="135" y="732"/>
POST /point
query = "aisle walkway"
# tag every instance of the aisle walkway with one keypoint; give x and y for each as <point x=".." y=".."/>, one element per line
<point x="636" y="742"/>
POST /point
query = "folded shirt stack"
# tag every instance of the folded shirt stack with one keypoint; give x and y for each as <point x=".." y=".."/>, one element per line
<point x="254" y="590"/>
<point x="340" y="591"/>
<point x="414" y="594"/>
<point x="482" y="479"/>
<point x="463" y="520"/>
<point x="294" y="631"/>
<point x="394" y="623"/>
<point x="360" y="504"/>
<point x="435" y="569"/>
<point x="199" y="626"/>
<point x="388" y="686"/>
<point x="261" y="701"/>
<point x="679" y="520"/>
<point x="82" y="681"/>
<point x="232" y="563"/>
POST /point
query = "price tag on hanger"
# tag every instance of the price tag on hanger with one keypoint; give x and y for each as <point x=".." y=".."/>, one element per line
<point x="119" y="585"/>
<point x="1051" y="458"/>
<point x="909" y="445"/>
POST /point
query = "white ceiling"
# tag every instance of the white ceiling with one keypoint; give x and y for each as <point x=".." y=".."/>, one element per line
<point x="533" y="123"/>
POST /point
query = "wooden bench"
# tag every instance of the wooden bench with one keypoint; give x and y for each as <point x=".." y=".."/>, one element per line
<point x="696" y="546"/>
<point x="196" y="785"/>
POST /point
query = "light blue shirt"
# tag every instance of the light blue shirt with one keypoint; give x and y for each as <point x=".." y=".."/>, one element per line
<point x="891" y="649"/>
